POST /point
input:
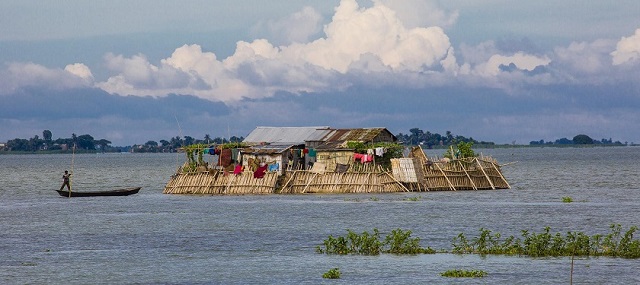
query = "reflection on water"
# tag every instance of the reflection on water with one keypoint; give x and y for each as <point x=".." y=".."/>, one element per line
<point x="151" y="238"/>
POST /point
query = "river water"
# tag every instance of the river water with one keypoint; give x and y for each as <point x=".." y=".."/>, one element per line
<point x="153" y="238"/>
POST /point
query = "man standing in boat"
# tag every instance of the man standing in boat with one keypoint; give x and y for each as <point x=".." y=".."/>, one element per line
<point x="65" y="180"/>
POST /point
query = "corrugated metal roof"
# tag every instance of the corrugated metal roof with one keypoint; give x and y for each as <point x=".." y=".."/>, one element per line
<point x="267" y="149"/>
<point x="337" y="138"/>
<point x="361" y="135"/>
<point x="287" y="135"/>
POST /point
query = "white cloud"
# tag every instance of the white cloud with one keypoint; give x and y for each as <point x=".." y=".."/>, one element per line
<point x="80" y="70"/>
<point x="627" y="49"/>
<point x="521" y="60"/>
<point x="298" y="27"/>
<point x="421" y="13"/>
<point x="584" y="58"/>
<point x="21" y="75"/>
<point x="259" y="69"/>
<point x="355" y="32"/>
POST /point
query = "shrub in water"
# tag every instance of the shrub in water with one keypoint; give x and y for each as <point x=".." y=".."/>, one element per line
<point x="397" y="242"/>
<point x="333" y="273"/>
<point x="464" y="273"/>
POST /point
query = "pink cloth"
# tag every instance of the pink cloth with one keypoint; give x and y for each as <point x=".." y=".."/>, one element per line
<point x="237" y="170"/>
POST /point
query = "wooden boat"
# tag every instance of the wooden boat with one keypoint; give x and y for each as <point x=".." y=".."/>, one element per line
<point x="116" y="192"/>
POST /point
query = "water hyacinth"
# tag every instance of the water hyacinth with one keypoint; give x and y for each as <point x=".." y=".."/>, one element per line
<point x="614" y="244"/>
<point x="397" y="242"/>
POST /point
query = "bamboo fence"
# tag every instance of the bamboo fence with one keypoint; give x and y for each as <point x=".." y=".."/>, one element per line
<point x="301" y="181"/>
<point x="464" y="174"/>
<point x="217" y="183"/>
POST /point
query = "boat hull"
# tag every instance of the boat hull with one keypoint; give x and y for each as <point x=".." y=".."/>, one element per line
<point x="116" y="192"/>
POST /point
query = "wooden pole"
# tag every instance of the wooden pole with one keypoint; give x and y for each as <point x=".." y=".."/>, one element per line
<point x="399" y="183"/>
<point x="485" y="174"/>
<point x="73" y="155"/>
<point x="309" y="183"/>
<point x="445" y="177"/>
<point x="468" y="176"/>
<point x="501" y="176"/>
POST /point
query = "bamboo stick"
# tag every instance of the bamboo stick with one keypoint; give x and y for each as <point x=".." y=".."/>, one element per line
<point x="485" y="174"/>
<point x="468" y="176"/>
<point x="445" y="176"/>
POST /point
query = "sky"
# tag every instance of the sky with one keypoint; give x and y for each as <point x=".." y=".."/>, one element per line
<point x="495" y="70"/>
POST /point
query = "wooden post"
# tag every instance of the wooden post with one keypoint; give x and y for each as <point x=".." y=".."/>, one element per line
<point x="394" y="179"/>
<point x="468" y="176"/>
<point x="445" y="177"/>
<point x="309" y="183"/>
<point x="501" y="176"/>
<point x="485" y="174"/>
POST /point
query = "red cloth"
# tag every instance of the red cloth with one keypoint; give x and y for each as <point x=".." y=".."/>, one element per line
<point x="225" y="157"/>
<point x="259" y="173"/>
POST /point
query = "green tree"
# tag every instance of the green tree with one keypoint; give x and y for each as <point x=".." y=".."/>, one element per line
<point x="582" y="139"/>
<point x="46" y="135"/>
<point x="103" y="144"/>
<point x="86" y="142"/>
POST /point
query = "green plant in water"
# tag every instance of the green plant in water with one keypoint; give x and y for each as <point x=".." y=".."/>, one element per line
<point x="567" y="199"/>
<point x="397" y="242"/>
<point x="400" y="242"/>
<point x="414" y="198"/>
<point x="365" y="244"/>
<point x="464" y="273"/>
<point x="333" y="273"/>
<point x="375" y="199"/>
<point x="533" y="244"/>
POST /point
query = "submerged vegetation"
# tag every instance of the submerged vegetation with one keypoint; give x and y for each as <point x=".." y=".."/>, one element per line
<point x="613" y="244"/>
<point x="396" y="242"/>
<point x="464" y="273"/>
<point x="333" y="273"/>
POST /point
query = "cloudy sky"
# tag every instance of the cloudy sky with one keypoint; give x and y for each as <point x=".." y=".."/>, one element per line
<point x="495" y="70"/>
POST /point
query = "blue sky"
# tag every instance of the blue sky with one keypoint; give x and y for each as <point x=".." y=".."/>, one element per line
<point x="504" y="71"/>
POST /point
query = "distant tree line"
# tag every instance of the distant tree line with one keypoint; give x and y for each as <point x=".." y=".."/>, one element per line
<point x="176" y="142"/>
<point x="86" y="143"/>
<point x="580" y="139"/>
<point x="46" y="143"/>
<point x="427" y="139"/>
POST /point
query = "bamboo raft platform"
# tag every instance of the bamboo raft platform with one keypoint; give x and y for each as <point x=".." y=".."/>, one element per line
<point x="415" y="173"/>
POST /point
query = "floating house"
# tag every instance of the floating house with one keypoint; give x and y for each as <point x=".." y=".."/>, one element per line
<point x="321" y="159"/>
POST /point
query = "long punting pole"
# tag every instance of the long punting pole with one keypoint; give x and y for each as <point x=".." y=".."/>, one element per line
<point x="73" y="155"/>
